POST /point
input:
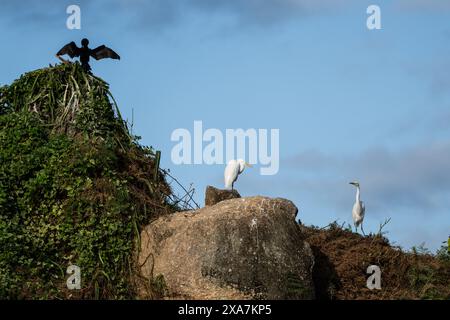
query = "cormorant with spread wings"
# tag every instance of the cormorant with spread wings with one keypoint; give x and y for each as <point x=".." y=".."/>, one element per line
<point x="85" y="53"/>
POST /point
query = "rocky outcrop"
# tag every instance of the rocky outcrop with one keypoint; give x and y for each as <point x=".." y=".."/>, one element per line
<point x="214" y="195"/>
<point x="247" y="248"/>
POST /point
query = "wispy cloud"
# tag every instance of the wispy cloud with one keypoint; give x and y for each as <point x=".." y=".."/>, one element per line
<point x="417" y="178"/>
<point x="39" y="14"/>
<point x="424" y="5"/>
<point x="159" y="14"/>
<point x="242" y="12"/>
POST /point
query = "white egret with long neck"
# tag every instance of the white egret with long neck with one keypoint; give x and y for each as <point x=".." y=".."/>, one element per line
<point x="232" y="170"/>
<point x="358" y="208"/>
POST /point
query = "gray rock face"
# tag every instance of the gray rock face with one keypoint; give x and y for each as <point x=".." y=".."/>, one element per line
<point x="247" y="248"/>
<point x="214" y="195"/>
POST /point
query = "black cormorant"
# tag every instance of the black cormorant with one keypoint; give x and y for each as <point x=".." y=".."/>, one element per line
<point x="85" y="53"/>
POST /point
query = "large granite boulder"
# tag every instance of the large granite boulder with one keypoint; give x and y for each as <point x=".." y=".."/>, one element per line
<point x="246" y="248"/>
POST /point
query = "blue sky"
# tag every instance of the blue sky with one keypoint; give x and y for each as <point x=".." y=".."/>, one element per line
<point x="349" y="103"/>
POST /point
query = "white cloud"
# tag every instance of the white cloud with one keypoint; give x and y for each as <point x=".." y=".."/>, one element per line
<point x="416" y="178"/>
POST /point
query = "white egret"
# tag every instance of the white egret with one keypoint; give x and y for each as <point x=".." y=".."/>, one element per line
<point x="232" y="170"/>
<point x="358" y="208"/>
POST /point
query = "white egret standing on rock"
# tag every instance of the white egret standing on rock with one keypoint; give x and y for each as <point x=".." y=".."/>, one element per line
<point x="358" y="209"/>
<point x="233" y="169"/>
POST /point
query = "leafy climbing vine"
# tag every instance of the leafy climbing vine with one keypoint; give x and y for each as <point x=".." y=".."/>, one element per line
<point x="75" y="188"/>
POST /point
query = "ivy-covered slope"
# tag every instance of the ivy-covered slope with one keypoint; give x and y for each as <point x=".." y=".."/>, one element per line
<point x="75" y="188"/>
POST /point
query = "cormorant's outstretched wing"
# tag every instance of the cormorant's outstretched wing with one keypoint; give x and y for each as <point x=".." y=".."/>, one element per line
<point x="70" y="49"/>
<point x="104" y="52"/>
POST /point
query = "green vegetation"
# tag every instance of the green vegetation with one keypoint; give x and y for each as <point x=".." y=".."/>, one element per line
<point x="75" y="188"/>
<point x="158" y="286"/>
<point x="296" y="287"/>
<point x="430" y="273"/>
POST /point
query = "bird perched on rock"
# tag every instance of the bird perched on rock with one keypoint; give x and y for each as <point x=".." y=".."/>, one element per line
<point x="232" y="170"/>
<point x="358" y="208"/>
<point x="85" y="53"/>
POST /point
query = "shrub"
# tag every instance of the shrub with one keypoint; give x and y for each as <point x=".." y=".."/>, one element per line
<point x="75" y="187"/>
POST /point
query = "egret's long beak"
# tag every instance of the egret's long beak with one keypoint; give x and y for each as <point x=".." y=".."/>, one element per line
<point x="352" y="183"/>
<point x="248" y="165"/>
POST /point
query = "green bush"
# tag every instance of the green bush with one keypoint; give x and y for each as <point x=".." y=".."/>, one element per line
<point x="75" y="188"/>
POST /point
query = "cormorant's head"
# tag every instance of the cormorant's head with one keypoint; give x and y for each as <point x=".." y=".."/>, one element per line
<point x="85" y="42"/>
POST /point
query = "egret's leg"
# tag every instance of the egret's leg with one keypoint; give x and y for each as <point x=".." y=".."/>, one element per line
<point x="362" y="229"/>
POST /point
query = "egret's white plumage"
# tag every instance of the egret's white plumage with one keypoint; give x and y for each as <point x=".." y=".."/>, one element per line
<point x="232" y="170"/>
<point x="359" y="209"/>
